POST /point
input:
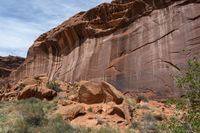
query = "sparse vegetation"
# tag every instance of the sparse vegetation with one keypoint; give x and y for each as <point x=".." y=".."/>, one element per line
<point x="142" y="98"/>
<point x="190" y="81"/>
<point x="54" y="86"/>
<point x="35" y="116"/>
<point x="90" y="109"/>
<point x="181" y="103"/>
<point x="134" y="125"/>
<point x="107" y="129"/>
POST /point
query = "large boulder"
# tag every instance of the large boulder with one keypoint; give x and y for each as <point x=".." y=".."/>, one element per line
<point x="71" y="112"/>
<point x="98" y="92"/>
<point x="37" y="92"/>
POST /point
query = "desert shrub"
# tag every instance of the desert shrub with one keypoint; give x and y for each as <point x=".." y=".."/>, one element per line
<point x="134" y="125"/>
<point x="193" y="120"/>
<point x="148" y="124"/>
<point x="107" y="129"/>
<point x="58" y="125"/>
<point x="34" y="116"/>
<point x="190" y="81"/>
<point x="32" y="111"/>
<point x="181" y="103"/>
<point x="177" y="126"/>
<point x="54" y="86"/>
<point x="142" y="98"/>
<point x="90" y="109"/>
<point x="131" y="102"/>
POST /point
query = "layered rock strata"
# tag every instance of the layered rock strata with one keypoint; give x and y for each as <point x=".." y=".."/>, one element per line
<point x="8" y="64"/>
<point x="136" y="45"/>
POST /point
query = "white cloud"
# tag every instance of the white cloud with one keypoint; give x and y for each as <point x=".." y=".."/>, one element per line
<point x="22" y="21"/>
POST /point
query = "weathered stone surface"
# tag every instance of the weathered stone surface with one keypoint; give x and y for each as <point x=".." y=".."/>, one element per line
<point x="71" y="112"/>
<point x="136" y="45"/>
<point x="8" y="64"/>
<point x="99" y="92"/>
<point x="37" y="92"/>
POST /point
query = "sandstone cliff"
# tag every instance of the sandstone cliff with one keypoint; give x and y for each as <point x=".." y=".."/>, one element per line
<point x="136" y="45"/>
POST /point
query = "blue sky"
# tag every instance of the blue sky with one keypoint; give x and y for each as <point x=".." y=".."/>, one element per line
<point x="22" y="21"/>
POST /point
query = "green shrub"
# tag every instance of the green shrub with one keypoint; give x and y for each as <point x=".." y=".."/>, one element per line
<point x="142" y="98"/>
<point x="148" y="125"/>
<point x="134" y="125"/>
<point x="90" y="109"/>
<point x="107" y="129"/>
<point x="190" y="81"/>
<point x="176" y="126"/>
<point x="54" y="86"/>
<point x="193" y="120"/>
<point x="58" y="125"/>
<point x="181" y="103"/>
<point x="32" y="111"/>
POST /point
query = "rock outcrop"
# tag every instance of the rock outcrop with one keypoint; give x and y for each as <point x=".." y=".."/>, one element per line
<point x="135" y="45"/>
<point x="8" y="64"/>
<point x="28" y="88"/>
<point x="100" y="92"/>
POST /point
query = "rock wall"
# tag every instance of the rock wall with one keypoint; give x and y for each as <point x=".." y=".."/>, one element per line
<point x="8" y="64"/>
<point x="136" y="45"/>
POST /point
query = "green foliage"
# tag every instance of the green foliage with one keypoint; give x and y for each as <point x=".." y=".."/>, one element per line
<point x="191" y="81"/>
<point x="58" y="125"/>
<point x="107" y="129"/>
<point x="54" y="86"/>
<point x="90" y="109"/>
<point x="149" y="124"/>
<point x="31" y="116"/>
<point x="134" y="125"/>
<point x="193" y="119"/>
<point x="177" y="126"/>
<point x="35" y="116"/>
<point x="181" y="103"/>
<point x="142" y="98"/>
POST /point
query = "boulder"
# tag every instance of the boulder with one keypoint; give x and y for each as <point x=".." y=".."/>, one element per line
<point x="70" y="112"/>
<point x="98" y="92"/>
<point x="37" y="92"/>
<point x="122" y="111"/>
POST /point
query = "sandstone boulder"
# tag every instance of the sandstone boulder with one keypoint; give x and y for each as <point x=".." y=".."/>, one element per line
<point x="122" y="111"/>
<point x="98" y="92"/>
<point x="71" y="111"/>
<point x="37" y="92"/>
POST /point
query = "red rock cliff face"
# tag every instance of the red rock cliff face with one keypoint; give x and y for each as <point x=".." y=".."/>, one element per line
<point x="136" y="45"/>
<point x="8" y="64"/>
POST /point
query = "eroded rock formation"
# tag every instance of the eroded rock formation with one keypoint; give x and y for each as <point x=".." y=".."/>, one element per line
<point x="136" y="45"/>
<point x="8" y="64"/>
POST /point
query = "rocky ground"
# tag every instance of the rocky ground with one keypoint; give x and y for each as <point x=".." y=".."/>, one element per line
<point x="93" y="104"/>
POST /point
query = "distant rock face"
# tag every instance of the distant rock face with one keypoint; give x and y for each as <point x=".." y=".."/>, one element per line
<point x="8" y="64"/>
<point x="136" y="45"/>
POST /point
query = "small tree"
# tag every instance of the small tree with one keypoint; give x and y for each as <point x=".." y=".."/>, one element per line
<point x="191" y="81"/>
